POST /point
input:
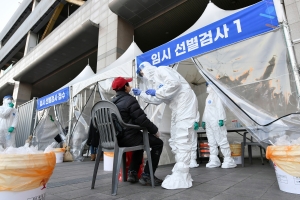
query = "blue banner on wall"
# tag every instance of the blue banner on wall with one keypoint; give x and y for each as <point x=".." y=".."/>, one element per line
<point x="254" y="20"/>
<point x="57" y="97"/>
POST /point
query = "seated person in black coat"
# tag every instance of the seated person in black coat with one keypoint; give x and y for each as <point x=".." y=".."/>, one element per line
<point x="131" y="113"/>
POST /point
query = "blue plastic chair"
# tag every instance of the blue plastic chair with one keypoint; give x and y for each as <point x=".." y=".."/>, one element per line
<point x="102" y="119"/>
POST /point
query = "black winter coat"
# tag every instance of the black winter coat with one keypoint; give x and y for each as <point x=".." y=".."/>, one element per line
<point x="94" y="137"/>
<point x="132" y="113"/>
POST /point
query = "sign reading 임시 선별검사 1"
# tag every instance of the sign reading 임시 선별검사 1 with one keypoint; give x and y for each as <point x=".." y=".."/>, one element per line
<point x="57" y="97"/>
<point x="249" y="22"/>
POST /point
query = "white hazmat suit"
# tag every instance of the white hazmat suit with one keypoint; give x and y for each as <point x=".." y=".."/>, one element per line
<point x="174" y="90"/>
<point x="216" y="135"/>
<point x="8" y="119"/>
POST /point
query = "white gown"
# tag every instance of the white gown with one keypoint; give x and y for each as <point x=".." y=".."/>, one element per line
<point x="8" y="118"/>
<point x="177" y="93"/>
<point x="216" y="135"/>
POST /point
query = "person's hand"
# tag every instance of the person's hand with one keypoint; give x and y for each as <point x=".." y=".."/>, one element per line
<point x="157" y="134"/>
<point x="221" y="123"/>
<point x="11" y="129"/>
<point x="136" y="91"/>
<point x="11" y="105"/>
<point x="196" y="126"/>
<point x="151" y="92"/>
<point x="203" y="125"/>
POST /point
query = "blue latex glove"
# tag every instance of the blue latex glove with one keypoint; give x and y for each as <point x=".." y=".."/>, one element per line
<point x="221" y="123"/>
<point x="7" y="136"/>
<point x="151" y="92"/>
<point x="203" y="125"/>
<point x="196" y="126"/>
<point x="11" y="105"/>
<point x="136" y="91"/>
<point x="11" y="129"/>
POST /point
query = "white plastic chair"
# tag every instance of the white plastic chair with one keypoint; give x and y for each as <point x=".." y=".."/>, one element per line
<point x="104" y="117"/>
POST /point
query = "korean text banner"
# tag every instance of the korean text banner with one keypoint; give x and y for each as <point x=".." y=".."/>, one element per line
<point x="57" y="97"/>
<point x="254" y="20"/>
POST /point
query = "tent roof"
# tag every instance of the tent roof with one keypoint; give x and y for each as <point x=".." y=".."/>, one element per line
<point x="211" y="14"/>
<point x="121" y="67"/>
<point x="84" y="74"/>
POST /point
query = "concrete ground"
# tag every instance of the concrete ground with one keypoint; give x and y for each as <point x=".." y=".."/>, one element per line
<point x="73" y="181"/>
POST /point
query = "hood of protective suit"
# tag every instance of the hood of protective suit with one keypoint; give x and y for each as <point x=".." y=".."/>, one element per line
<point x="6" y="102"/>
<point x="149" y="71"/>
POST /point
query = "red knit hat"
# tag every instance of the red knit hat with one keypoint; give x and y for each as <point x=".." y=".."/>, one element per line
<point x="119" y="82"/>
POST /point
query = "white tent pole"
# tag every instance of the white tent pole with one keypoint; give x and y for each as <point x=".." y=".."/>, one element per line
<point x="102" y="98"/>
<point x="70" y="114"/>
<point x="95" y="90"/>
<point x="282" y="20"/>
<point x="291" y="55"/>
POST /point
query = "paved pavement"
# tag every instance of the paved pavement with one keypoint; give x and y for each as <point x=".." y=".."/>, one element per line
<point x="73" y="181"/>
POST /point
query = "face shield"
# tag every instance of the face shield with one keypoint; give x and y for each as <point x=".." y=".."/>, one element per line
<point x="141" y="69"/>
<point x="148" y="72"/>
<point x="7" y="99"/>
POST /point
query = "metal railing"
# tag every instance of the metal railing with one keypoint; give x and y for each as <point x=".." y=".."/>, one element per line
<point x="26" y="120"/>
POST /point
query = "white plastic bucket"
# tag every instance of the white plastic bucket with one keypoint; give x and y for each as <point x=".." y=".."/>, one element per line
<point x="237" y="159"/>
<point x="286" y="182"/>
<point x="38" y="193"/>
<point x="108" y="161"/>
<point x="59" y="157"/>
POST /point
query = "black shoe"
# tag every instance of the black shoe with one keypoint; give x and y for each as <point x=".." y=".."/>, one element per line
<point x="132" y="177"/>
<point x="146" y="180"/>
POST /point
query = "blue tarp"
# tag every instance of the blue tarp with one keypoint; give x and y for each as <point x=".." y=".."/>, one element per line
<point x="254" y="20"/>
<point x="57" y="97"/>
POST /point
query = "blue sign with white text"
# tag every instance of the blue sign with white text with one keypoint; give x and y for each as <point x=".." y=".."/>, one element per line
<point x="249" y="22"/>
<point x="57" y="97"/>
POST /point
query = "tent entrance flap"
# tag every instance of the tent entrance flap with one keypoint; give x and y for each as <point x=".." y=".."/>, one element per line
<point x="257" y="86"/>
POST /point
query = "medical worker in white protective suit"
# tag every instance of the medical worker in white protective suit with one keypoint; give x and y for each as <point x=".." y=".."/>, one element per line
<point x="8" y="122"/>
<point x="172" y="89"/>
<point x="213" y="121"/>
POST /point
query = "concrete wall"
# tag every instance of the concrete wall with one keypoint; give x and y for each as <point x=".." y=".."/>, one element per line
<point x="115" y="36"/>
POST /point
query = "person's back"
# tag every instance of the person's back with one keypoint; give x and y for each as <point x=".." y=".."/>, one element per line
<point x="131" y="113"/>
<point x="184" y="92"/>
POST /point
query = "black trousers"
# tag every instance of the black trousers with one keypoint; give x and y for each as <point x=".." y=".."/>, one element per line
<point x="155" y="143"/>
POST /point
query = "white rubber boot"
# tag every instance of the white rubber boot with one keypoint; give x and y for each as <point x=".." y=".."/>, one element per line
<point x="180" y="177"/>
<point x="193" y="164"/>
<point x="228" y="163"/>
<point x="214" y="161"/>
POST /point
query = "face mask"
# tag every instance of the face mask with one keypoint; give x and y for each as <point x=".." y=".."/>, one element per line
<point x="6" y="102"/>
<point x="208" y="89"/>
